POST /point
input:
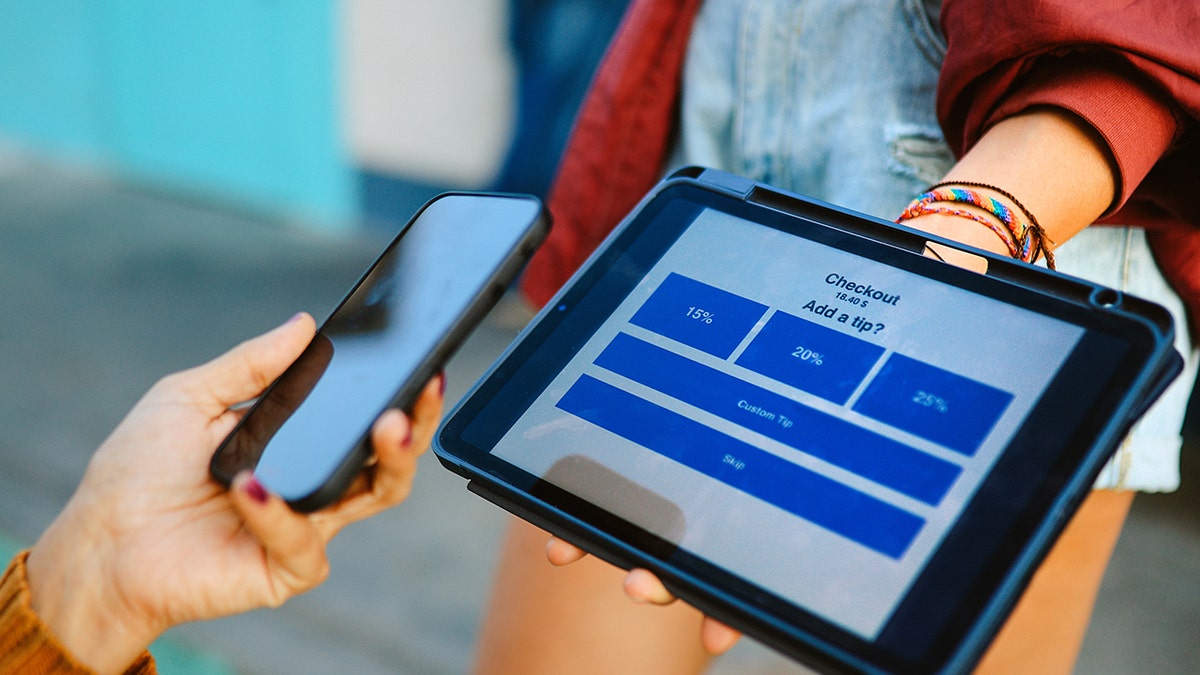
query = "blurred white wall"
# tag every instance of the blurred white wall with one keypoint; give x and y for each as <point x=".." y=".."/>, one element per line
<point x="428" y="87"/>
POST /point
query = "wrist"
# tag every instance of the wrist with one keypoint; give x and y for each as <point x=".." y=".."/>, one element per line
<point x="1068" y="193"/>
<point x="71" y="592"/>
<point x="959" y="229"/>
<point x="949" y="206"/>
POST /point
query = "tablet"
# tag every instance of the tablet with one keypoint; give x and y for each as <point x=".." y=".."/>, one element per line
<point x="807" y="427"/>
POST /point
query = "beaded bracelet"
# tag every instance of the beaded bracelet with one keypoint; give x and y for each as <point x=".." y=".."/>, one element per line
<point x="1024" y="241"/>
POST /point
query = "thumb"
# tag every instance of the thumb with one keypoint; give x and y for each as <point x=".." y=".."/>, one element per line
<point x="716" y="637"/>
<point x="246" y="370"/>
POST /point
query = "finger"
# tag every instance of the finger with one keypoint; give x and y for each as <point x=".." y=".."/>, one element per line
<point x="643" y="586"/>
<point x="245" y="371"/>
<point x="294" y="550"/>
<point x="399" y="440"/>
<point x="953" y="256"/>
<point x="427" y="412"/>
<point x="716" y="637"/>
<point x="560" y="553"/>
<point x="392" y="441"/>
<point x="398" y="443"/>
<point x="395" y="460"/>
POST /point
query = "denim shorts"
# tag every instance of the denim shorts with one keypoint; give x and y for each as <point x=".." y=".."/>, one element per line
<point x="835" y="99"/>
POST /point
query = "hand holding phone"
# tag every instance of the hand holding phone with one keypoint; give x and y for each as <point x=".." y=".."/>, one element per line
<point x="306" y="437"/>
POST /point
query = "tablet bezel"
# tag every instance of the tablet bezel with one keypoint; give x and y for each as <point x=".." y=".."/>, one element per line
<point x="1066" y="456"/>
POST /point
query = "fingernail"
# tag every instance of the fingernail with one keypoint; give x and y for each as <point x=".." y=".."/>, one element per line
<point x="408" y="437"/>
<point x="255" y="490"/>
<point x="294" y="319"/>
<point x="442" y="383"/>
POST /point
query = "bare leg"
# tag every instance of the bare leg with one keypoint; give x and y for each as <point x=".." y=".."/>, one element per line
<point x="577" y="619"/>
<point x="1046" y="630"/>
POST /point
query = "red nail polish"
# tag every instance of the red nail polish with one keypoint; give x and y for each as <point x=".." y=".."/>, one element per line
<point x="442" y="383"/>
<point x="408" y="436"/>
<point x="255" y="491"/>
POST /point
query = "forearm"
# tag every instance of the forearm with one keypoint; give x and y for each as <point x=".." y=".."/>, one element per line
<point x="1048" y="158"/>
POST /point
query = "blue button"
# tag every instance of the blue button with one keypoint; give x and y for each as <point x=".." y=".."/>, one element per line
<point x="834" y="440"/>
<point x="810" y="357"/>
<point x="932" y="403"/>
<point x="818" y="499"/>
<point x="698" y="315"/>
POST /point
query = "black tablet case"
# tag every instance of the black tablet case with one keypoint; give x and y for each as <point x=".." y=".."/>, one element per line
<point x="1160" y="370"/>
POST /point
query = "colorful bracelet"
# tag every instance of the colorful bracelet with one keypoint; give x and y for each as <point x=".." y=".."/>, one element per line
<point x="926" y="208"/>
<point x="1025" y="241"/>
<point x="1041" y="244"/>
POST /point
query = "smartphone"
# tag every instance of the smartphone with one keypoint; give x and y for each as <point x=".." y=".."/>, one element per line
<point x="308" y="435"/>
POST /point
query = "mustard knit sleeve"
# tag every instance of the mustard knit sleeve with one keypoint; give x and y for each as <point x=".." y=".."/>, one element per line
<point x="26" y="645"/>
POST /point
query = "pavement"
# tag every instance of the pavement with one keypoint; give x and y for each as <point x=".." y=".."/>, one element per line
<point x="104" y="288"/>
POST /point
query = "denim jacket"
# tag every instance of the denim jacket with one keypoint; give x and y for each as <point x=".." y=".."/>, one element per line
<point x="831" y="99"/>
<point x="836" y="100"/>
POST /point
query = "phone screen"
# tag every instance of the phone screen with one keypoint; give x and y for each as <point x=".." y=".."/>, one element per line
<point x="388" y="336"/>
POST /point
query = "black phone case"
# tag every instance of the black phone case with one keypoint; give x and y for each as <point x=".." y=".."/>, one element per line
<point x="741" y="613"/>
<point x="406" y="395"/>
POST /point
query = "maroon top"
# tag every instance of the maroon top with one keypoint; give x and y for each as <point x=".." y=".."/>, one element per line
<point x="1131" y="70"/>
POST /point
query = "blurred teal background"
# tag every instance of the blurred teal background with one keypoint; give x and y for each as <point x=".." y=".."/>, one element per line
<point x="332" y="114"/>
<point x="235" y="100"/>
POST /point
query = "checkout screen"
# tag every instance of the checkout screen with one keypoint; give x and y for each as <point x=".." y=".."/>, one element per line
<point x="809" y="420"/>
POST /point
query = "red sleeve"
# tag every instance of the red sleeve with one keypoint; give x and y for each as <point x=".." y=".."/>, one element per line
<point x="1136" y="123"/>
<point x="620" y="140"/>
<point x="1131" y="70"/>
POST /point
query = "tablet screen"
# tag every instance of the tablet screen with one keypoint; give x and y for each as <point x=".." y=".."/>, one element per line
<point x="846" y="435"/>
<point x="788" y="406"/>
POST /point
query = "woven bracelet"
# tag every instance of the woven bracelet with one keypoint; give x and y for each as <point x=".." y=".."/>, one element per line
<point x="1024" y="241"/>
<point x="1035" y="244"/>
<point x="926" y="208"/>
